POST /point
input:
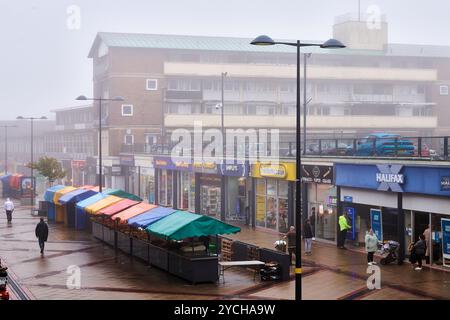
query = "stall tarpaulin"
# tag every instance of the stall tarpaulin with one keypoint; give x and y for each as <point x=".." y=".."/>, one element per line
<point x="117" y="207"/>
<point x="81" y="219"/>
<point x="49" y="196"/>
<point x="122" y="194"/>
<point x="70" y="199"/>
<point x="182" y="225"/>
<point x="5" y="185"/>
<point x="106" y="202"/>
<point x="132" y="212"/>
<point x="59" y="207"/>
<point x="150" y="217"/>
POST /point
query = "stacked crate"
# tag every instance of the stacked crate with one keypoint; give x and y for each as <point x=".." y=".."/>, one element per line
<point x="226" y="251"/>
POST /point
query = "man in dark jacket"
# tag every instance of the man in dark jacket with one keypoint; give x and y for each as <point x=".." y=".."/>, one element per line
<point x="42" y="234"/>
<point x="307" y="236"/>
<point x="419" y="249"/>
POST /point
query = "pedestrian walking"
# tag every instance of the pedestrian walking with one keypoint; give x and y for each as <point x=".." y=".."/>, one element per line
<point x="343" y="228"/>
<point x="371" y="241"/>
<point x="419" y="250"/>
<point x="307" y="236"/>
<point x="291" y="236"/>
<point x="9" y="208"/>
<point x="427" y="235"/>
<point x="313" y="220"/>
<point x="42" y="234"/>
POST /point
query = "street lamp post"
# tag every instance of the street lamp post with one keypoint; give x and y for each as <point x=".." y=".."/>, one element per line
<point x="33" y="184"/>
<point x="305" y="103"/>
<point x="84" y="98"/>
<point x="222" y="108"/>
<point x="6" y="127"/>
<point x="330" y="44"/>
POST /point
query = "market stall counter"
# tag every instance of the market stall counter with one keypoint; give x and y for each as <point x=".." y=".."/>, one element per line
<point x="60" y="209"/>
<point x="69" y="200"/>
<point x="48" y="197"/>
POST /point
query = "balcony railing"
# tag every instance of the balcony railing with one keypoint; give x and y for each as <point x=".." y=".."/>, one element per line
<point x="414" y="148"/>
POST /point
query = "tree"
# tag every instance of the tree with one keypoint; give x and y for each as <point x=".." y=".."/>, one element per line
<point x="49" y="168"/>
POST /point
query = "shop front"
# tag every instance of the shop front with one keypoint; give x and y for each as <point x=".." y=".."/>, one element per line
<point x="274" y="194"/>
<point x="321" y="204"/>
<point x="237" y="191"/>
<point x="399" y="203"/>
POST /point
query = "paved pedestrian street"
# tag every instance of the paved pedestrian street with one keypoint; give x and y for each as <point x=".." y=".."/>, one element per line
<point x="105" y="274"/>
<point x="329" y="273"/>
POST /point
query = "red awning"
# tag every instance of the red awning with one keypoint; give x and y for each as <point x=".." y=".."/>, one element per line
<point x="117" y="207"/>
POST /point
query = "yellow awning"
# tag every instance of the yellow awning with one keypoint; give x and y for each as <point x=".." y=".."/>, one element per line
<point x="61" y="192"/>
<point x="103" y="203"/>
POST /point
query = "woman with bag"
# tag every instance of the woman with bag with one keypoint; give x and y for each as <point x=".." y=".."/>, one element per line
<point x="420" y="249"/>
<point x="371" y="241"/>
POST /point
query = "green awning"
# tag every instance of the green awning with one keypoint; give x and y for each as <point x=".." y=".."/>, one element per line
<point x="122" y="194"/>
<point x="181" y="225"/>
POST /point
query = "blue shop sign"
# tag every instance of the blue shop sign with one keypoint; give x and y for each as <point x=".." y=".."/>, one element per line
<point x="351" y="234"/>
<point x="172" y="164"/>
<point x="394" y="178"/>
<point x="376" y="223"/>
<point x="235" y="169"/>
<point x="445" y="227"/>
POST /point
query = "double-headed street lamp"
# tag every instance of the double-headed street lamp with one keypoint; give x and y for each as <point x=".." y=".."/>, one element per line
<point x="330" y="44"/>
<point x="6" y="127"/>
<point x="33" y="184"/>
<point x="84" y="98"/>
<point x="222" y="110"/>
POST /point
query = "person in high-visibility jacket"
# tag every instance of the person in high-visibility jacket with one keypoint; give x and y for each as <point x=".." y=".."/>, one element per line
<point x="343" y="228"/>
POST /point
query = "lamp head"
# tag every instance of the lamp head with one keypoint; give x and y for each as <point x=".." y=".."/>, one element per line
<point x="118" y="98"/>
<point x="19" y="118"/>
<point x="263" y="40"/>
<point x="332" y="44"/>
<point x="43" y="118"/>
<point x="81" y="98"/>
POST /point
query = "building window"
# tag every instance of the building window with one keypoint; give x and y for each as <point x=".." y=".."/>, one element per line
<point x="127" y="110"/>
<point x="443" y="90"/>
<point x="129" y="139"/>
<point x="152" y="84"/>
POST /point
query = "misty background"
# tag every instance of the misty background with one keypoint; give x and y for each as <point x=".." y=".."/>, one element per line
<point x="44" y="64"/>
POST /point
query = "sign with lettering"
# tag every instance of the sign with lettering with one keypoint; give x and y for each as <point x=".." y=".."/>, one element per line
<point x="445" y="183"/>
<point x="235" y="169"/>
<point x="272" y="171"/>
<point x="376" y="223"/>
<point x="389" y="177"/>
<point x="445" y="227"/>
<point x="317" y="174"/>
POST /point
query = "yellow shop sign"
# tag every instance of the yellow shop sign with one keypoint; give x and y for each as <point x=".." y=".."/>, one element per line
<point x="272" y="171"/>
<point x="282" y="170"/>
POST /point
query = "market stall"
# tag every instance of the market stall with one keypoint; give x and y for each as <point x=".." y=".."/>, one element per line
<point x="69" y="200"/>
<point x="82" y="221"/>
<point x="150" y="217"/>
<point x="105" y="227"/>
<point x="5" y="185"/>
<point x="48" y="197"/>
<point x="60" y="209"/>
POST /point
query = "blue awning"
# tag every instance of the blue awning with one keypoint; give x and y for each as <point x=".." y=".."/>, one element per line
<point x="95" y="198"/>
<point x="147" y="218"/>
<point x="50" y="193"/>
<point x="77" y="196"/>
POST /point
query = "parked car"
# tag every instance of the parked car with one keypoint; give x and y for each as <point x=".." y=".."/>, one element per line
<point x="384" y="144"/>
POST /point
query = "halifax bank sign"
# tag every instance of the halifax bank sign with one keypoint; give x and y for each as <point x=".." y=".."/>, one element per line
<point x="420" y="179"/>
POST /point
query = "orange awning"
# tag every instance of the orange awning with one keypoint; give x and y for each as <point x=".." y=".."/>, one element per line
<point x="133" y="211"/>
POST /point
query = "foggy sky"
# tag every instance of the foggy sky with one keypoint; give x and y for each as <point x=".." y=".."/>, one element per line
<point x="44" y="65"/>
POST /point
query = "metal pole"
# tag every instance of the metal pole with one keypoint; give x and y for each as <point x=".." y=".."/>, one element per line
<point x="6" y="150"/>
<point x="298" y="199"/>
<point x="305" y="56"/>
<point x="222" y="195"/>
<point x="32" y="173"/>
<point x="100" y="177"/>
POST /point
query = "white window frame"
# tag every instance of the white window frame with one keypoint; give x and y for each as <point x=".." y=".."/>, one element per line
<point x="125" y="139"/>
<point x="443" y="90"/>
<point x="154" y="88"/>
<point x="126" y="114"/>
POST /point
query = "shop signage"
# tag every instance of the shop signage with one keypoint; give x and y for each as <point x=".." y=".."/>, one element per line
<point x="168" y="163"/>
<point x="317" y="174"/>
<point x="210" y="180"/>
<point x="235" y="169"/>
<point x="348" y="199"/>
<point x="390" y="178"/>
<point x="445" y="183"/>
<point x="376" y="223"/>
<point x="127" y="160"/>
<point x="116" y="170"/>
<point x="351" y="235"/>
<point x="332" y="201"/>
<point x="79" y="164"/>
<point x="272" y="171"/>
<point x="204" y="166"/>
<point x="445" y="227"/>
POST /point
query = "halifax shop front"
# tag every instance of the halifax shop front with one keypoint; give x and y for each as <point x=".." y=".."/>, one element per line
<point x="399" y="202"/>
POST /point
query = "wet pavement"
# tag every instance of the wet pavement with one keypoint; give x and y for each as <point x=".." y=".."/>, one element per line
<point x="105" y="273"/>
<point x="329" y="273"/>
